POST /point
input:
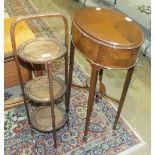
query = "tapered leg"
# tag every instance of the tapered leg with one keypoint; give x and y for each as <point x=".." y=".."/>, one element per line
<point x="100" y="74"/>
<point x="124" y="92"/>
<point x="115" y="1"/>
<point x="93" y="81"/>
<point x="66" y="81"/>
<point x="50" y="77"/>
<point x="101" y="91"/>
<point x="102" y="88"/>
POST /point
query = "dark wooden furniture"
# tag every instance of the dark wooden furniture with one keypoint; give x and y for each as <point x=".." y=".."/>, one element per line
<point x="48" y="88"/>
<point x="23" y="33"/>
<point x="10" y="72"/>
<point x="108" y="40"/>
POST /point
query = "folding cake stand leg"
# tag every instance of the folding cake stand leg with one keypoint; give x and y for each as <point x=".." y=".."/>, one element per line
<point x="50" y="77"/>
<point x="66" y="81"/>
<point x="24" y="96"/>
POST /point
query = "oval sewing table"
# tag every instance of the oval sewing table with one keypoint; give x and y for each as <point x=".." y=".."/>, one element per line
<point x="108" y="40"/>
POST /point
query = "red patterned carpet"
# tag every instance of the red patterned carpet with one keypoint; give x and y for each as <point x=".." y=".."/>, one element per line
<point x="101" y="139"/>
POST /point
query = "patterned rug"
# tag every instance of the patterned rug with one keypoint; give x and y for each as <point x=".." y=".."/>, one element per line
<point x="101" y="139"/>
<point x="17" y="8"/>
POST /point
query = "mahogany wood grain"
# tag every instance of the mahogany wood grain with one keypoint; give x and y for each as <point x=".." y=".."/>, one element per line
<point x="108" y="40"/>
<point x="106" y="37"/>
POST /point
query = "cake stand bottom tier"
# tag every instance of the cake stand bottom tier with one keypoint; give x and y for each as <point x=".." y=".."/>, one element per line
<point x="42" y="121"/>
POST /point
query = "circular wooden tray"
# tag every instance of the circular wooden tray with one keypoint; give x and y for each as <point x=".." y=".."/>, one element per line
<point x="38" y="89"/>
<point x="41" y="50"/>
<point x="41" y="119"/>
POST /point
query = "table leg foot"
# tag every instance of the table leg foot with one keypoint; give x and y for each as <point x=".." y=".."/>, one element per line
<point x="67" y="122"/>
<point x="55" y="145"/>
<point x="84" y="138"/>
<point x="114" y="127"/>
